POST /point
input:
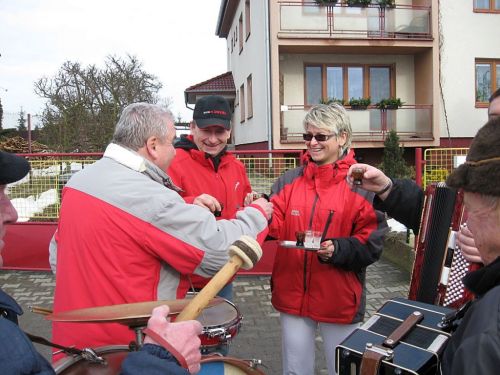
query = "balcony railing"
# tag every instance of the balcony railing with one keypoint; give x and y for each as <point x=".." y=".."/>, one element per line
<point x="411" y="122"/>
<point x="309" y="19"/>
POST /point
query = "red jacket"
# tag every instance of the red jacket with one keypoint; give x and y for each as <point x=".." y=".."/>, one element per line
<point x="318" y="198"/>
<point x="196" y="174"/>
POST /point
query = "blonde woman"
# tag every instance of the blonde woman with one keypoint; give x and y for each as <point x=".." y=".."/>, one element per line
<point x="322" y="289"/>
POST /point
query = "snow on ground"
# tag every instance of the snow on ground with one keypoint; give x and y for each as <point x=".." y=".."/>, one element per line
<point x="396" y="226"/>
<point x="28" y="207"/>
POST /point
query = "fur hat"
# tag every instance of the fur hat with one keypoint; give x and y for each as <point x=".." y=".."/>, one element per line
<point x="481" y="171"/>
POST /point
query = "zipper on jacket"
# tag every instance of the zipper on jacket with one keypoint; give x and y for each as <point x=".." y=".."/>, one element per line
<point x="327" y="225"/>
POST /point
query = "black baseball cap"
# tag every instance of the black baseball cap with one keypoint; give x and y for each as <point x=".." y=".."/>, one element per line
<point x="12" y="168"/>
<point x="212" y="110"/>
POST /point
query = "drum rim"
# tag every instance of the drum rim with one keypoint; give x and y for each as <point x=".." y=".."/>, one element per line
<point x="64" y="363"/>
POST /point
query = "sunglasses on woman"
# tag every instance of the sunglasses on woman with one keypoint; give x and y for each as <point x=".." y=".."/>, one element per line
<point x="318" y="137"/>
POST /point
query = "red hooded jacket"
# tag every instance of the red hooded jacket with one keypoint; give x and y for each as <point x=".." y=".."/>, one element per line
<point x="319" y="198"/>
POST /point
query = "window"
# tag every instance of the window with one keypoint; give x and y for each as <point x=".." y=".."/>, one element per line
<point x="242" y="103"/>
<point x="247" y="18"/>
<point x="249" y="97"/>
<point x="240" y="24"/>
<point x="345" y="81"/>
<point x="487" y="79"/>
<point x="380" y="83"/>
<point x="355" y="82"/>
<point x="489" y="6"/>
<point x="313" y="84"/>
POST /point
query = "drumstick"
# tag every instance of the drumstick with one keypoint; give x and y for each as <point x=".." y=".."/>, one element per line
<point x="244" y="253"/>
<point x="40" y="310"/>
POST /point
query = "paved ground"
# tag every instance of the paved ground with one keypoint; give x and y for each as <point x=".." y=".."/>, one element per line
<point x="259" y="336"/>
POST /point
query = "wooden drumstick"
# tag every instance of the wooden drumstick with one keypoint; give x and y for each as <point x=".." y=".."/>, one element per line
<point x="244" y="253"/>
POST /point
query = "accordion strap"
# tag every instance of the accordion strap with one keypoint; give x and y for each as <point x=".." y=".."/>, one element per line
<point x="370" y="363"/>
<point x="375" y="354"/>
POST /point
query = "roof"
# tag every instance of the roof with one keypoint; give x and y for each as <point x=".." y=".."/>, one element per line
<point x="220" y="85"/>
<point x="227" y="11"/>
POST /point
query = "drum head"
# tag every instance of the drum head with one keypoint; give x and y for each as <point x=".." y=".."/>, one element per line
<point x="219" y="315"/>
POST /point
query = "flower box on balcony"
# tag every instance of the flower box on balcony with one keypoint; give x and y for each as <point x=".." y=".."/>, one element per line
<point x="326" y="2"/>
<point x="389" y="103"/>
<point x="332" y="100"/>
<point x="386" y="3"/>
<point x="358" y="3"/>
<point x="359" y="103"/>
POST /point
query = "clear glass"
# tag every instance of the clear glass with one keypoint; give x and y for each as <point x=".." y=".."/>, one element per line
<point x="355" y="82"/>
<point x="498" y="75"/>
<point x="312" y="239"/>
<point x="334" y="82"/>
<point x="313" y="82"/>
<point x="482" y="4"/>
<point x="380" y="83"/>
<point x="483" y="82"/>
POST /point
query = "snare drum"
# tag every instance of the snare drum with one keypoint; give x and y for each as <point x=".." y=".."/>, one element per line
<point x="220" y="324"/>
<point x="76" y="365"/>
<point x="218" y="365"/>
<point x="115" y="355"/>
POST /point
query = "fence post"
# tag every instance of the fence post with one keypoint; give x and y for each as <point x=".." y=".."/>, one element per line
<point x="29" y="133"/>
<point x="418" y="166"/>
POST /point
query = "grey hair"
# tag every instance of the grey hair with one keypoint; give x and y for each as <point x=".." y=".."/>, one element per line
<point x="332" y="118"/>
<point x="140" y="121"/>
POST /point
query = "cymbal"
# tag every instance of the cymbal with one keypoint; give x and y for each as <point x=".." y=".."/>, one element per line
<point x="129" y="314"/>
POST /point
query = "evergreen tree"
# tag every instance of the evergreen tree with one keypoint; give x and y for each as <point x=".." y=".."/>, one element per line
<point x="21" y="121"/>
<point x="393" y="162"/>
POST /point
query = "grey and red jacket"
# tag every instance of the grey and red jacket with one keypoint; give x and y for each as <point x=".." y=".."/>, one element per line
<point x="319" y="198"/>
<point x="124" y="236"/>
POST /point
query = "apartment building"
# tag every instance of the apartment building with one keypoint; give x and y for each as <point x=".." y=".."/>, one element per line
<point x="438" y="57"/>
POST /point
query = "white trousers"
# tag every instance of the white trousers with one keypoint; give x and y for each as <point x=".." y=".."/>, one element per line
<point x="298" y="343"/>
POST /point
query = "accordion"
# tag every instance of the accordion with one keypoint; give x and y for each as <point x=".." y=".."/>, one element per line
<point x="439" y="265"/>
<point x="403" y="337"/>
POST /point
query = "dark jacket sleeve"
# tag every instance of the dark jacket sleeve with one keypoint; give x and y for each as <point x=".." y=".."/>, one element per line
<point x="404" y="203"/>
<point x="17" y="353"/>
<point x="352" y="255"/>
<point x="152" y="360"/>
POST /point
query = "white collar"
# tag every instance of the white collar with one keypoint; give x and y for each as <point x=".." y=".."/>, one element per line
<point x="126" y="157"/>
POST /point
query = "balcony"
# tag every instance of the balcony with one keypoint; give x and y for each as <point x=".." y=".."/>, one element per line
<point x="411" y="123"/>
<point x="307" y="19"/>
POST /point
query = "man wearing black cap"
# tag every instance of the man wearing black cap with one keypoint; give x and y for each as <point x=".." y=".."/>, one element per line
<point x="17" y="353"/>
<point x="474" y="348"/>
<point x="206" y="173"/>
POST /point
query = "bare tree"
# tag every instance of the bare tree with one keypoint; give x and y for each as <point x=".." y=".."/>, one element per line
<point x="84" y="102"/>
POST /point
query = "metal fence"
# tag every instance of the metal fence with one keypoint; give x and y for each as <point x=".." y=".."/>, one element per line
<point x="440" y="162"/>
<point x="37" y="197"/>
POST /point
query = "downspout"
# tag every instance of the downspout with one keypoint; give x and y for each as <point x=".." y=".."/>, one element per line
<point x="268" y="81"/>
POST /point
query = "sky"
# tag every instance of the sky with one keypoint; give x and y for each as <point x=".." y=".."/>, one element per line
<point x="175" y="41"/>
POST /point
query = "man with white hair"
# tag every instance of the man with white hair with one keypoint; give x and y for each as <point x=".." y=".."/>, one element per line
<point x="125" y="235"/>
